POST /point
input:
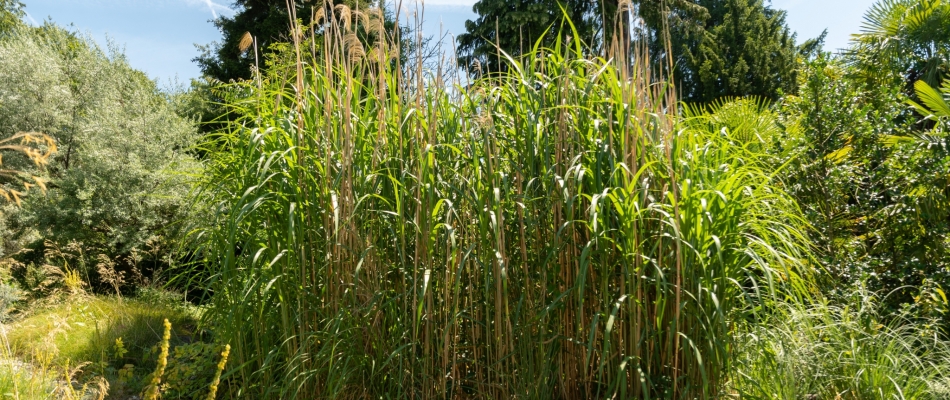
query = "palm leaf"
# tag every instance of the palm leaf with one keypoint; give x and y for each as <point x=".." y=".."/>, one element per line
<point x="935" y="103"/>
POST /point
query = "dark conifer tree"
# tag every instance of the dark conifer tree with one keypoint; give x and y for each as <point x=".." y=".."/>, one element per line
<point x="267" y="20"/>
<point x="716" y="48"/>
<point x="515" y="25"/>
<point x="744" y="48"/>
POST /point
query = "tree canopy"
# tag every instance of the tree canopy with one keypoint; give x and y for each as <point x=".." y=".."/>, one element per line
<point x="718" y="48"/>
<point x="742" y="48"/>
<point x="268" y="22"/>
<point x="11" y="11"/>
<point x="515" y="26"/>
<point x="118" y="181"/>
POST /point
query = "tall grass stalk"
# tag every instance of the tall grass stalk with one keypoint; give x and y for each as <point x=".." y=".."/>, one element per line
<point x="549" y="232"/>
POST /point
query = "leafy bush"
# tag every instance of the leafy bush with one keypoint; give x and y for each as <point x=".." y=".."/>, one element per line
<point x="191" y="371"/>
<point x="870" y="179"/>
<point x="86" y="328"/>
<point x="118" y="185"/>
<point x="9" y="295"/>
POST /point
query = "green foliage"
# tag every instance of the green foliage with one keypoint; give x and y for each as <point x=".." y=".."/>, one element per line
<point x="18" y="381"/>
<point x="548" y="232"/>
<point x="9" y="296"/>
<point x="118" y="182"/>
<point x="936" y="104"/>
<point x="743" y="49"/>
<point x="716" y="48"/>
<point x="11" y="13"/>
<point x="86" y="329"/>
<point x="870" y="175"/>
<point x="268" y="22"/>
<point x="191" y="370"/>
<point x="851" y="351"/>
<point x="903" y="40"/>
<point x="514" y="27"/>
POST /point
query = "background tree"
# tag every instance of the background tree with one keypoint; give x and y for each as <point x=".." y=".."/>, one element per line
<point x="520" y="24"/>
<point x="717" y="48"/>
<point x="515" y="26"/>
<point x="744" y="48"/>
<point x="11" y="12"/>
<point x="268" y="22"/>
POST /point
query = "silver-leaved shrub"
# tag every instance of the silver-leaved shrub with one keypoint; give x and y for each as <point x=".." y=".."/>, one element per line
<point x="118" y="183"/>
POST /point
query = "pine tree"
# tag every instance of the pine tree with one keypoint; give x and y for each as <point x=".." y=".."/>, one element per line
<point x="267" y="20"/>
<point x="744" y="48"/>
<point x="516" y="25"/>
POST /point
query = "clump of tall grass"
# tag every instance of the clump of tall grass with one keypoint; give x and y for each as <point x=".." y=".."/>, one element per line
<point x="553" y="231"/>
<point x="851" y="351"/>
<point x="18" y="379"/>
<point x="43" y="380"/>
<point x="82" y="329"/>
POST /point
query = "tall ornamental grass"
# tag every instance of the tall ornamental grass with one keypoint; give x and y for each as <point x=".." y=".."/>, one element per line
<point x="553" y="231"/>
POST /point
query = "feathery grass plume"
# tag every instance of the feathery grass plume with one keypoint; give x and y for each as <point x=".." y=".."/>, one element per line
<point x="362" y="17"/>
<point x="552" y="231"/>
<point x="344" y="14"/>
<point x="319" y="15"/>
<point x="246" y="42"/>
<point x="354" y="47"/>
<point x="36" y="147"/>
<point x="375" y="22"/>
<point x="152" y="391"/>
<point x="217" y="375"/>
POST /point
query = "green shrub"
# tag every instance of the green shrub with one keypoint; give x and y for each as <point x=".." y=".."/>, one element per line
<point x="85" y="328"/>
<point x="868" y="169"/>
<point x="191" y="371"/>
<point x="9" y="295"/>
<point x="118" y="183"/>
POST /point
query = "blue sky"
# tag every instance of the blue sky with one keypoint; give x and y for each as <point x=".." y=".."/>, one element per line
<point x="159" y="35"/>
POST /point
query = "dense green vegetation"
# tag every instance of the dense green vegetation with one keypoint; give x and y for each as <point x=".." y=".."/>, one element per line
<point x="712" y="48"/>
<point x="117" y="184"/>
<point x="687" y="205"/>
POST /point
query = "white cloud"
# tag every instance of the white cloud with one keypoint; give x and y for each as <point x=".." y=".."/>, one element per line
<point x="30" y="17"/>
<point x="215" y="8"/>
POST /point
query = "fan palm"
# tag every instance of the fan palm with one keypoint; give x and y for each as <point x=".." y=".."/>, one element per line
<point x="905" y="36"/>
<point x="936" y="103"/>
